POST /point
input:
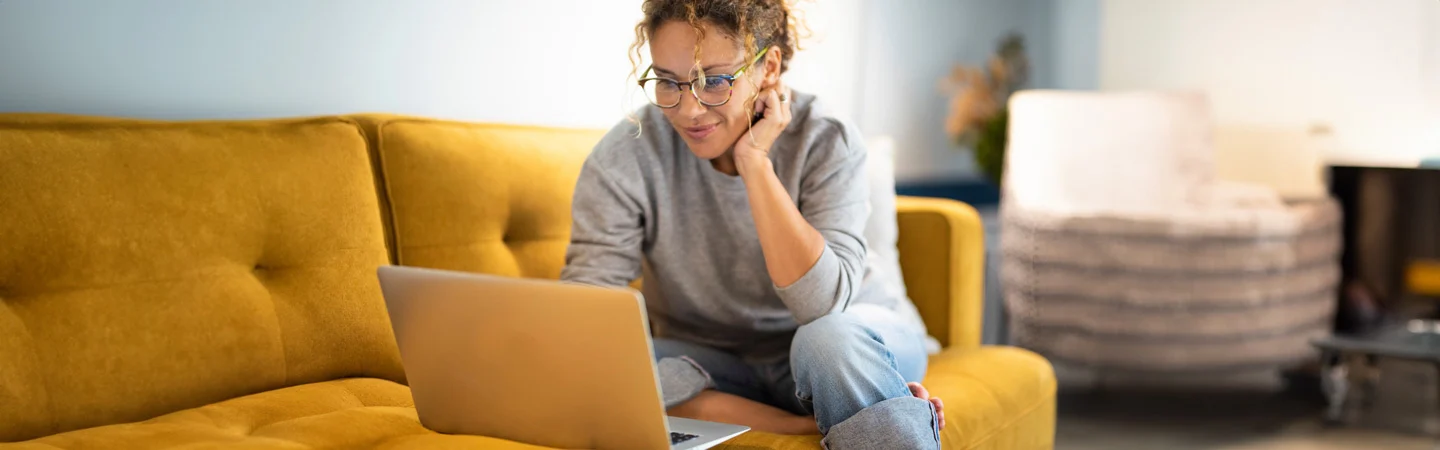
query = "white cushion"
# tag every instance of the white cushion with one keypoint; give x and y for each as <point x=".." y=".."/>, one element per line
<point x="1108" y="153"/>
<point x="882" y="233"/>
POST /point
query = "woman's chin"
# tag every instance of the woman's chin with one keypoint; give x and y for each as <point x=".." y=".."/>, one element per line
<point x="707" y="151"/>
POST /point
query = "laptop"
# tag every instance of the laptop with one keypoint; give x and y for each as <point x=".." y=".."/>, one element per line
<point x="539" y="362"/>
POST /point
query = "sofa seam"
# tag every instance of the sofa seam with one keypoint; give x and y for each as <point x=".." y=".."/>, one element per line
<point x="463" y="124"/>
<point x="488" y="241"/>
<point x="384" y="171"/>
<point x="208" y="272"/>
<point x="381" y="183"/>
<point x="257" y="429"/>
<point x="352" y="395"/>
<point x="51" y="421"/>
<point x="280" y="331"/>
<point x="87" y="122"/>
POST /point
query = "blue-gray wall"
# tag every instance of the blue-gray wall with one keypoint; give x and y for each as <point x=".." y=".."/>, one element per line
<point x="912" y="44"/>
<point x="1076" y="54"/>
<point x="478" y="60"/>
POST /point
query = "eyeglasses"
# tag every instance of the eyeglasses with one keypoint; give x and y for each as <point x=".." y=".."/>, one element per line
<point x="665" y="92"/>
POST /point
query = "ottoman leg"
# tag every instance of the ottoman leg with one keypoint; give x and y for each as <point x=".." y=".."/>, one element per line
<point x="1371" y="383"/>
<point x="1335" y="381"/>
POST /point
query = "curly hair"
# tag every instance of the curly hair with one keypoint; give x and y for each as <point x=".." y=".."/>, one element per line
<point x="756" y="23"/>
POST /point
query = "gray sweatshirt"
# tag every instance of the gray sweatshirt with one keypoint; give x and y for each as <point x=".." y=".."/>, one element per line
<point x="647" y="205"/>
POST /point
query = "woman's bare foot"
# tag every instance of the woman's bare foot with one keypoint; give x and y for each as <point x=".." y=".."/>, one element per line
<point x="918" y="390"/>
<point x="716" y="406"/>
<point x="720" y="407"/>
<point x="802" y="426"/>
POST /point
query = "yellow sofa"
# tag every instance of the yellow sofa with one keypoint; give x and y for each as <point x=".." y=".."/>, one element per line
<point x="212" y="283"/>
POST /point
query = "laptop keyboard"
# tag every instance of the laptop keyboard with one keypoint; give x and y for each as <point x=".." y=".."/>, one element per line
<point x="676" y="438"/>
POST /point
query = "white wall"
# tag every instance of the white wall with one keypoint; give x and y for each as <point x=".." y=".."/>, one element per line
<point x="829" y="63"/>
<point x="1276" y="68"/>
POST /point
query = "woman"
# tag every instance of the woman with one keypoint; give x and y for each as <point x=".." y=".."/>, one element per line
<point x="744" y="206"/>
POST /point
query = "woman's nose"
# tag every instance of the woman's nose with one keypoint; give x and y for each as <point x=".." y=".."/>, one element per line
<point x="689" y="105"/>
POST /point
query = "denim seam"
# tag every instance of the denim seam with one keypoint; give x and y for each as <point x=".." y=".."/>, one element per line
<point x="795" y="379"/>
<point x="805" y="402"/>
<point x="709" y="382"/>
<point x="889" y="355"/>
<point x="904" y="385"/>
<point x="934" y="421"/>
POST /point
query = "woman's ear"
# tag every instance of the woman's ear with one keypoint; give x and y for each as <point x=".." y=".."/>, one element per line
<point x="772" y="66"/>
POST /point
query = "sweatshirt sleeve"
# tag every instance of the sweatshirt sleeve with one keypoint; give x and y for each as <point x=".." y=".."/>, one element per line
<point x="608" y="228"/>
<point x="834" y="198"/>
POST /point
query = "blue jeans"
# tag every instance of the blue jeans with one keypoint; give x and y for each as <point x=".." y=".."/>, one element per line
<point x="848" y="369"/>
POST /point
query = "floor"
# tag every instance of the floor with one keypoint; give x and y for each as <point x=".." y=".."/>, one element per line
<point x="1244" y="412"/>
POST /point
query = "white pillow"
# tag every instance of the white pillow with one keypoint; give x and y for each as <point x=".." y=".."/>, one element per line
<point x="1106" y="152"/>
<point x="882" y="233"/>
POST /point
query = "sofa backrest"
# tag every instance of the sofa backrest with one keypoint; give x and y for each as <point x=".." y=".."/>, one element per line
<point x="483" y="198"/>
<point x="148" y="267"/>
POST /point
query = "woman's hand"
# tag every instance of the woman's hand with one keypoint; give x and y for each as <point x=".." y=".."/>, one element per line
<point x="752" y="151"/>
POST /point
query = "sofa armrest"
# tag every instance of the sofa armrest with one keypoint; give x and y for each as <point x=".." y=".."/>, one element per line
<point x="942" y="258"/>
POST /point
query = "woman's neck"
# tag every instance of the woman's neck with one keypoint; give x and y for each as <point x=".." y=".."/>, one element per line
<point x="725" y="164"/>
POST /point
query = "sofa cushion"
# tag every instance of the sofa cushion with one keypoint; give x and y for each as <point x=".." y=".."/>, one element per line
<point x="995" y="398"/>
<point x="481" y="197"/>
<point x="998" y="398"/>
<point x="148" y="267"/>
<point x="347" y="413"/>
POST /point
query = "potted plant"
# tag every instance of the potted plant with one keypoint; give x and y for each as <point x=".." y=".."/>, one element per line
<point x="978" y="119"/>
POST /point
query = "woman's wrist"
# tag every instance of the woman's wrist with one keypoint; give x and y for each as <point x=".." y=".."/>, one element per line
<point x="749" y="167"/>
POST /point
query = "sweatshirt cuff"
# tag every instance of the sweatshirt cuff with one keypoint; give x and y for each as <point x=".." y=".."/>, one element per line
<point x="814" y="294"/>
